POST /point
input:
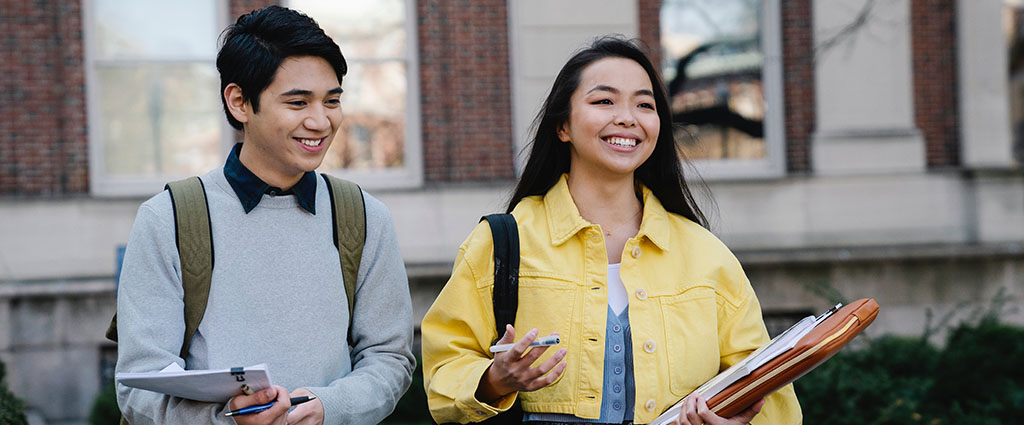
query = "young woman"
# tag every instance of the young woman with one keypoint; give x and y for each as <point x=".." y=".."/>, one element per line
<point x="614" y="258"/>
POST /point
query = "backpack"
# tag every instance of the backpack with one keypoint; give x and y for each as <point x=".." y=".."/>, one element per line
<point x="195" y="245"/>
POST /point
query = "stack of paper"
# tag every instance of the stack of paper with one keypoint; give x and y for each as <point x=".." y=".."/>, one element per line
<point x="201" y="385"/>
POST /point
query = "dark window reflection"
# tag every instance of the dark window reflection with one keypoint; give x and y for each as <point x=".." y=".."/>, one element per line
<point x="713" y="61"/>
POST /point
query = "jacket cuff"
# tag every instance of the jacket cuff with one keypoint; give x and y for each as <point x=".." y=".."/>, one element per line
<point x="477" y="410"/>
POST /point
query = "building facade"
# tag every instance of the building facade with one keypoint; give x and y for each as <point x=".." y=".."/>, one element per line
<point x="861" y="148"/>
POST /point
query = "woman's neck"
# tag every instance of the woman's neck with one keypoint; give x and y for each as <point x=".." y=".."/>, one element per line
<point x="610" y="203"/>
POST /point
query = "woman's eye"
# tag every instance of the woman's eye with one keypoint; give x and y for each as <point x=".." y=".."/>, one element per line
<point x="647" y="105"/>
<point x="603" y="102"/>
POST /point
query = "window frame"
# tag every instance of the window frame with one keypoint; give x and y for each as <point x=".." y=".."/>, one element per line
<point x="102" y="184"/>
<point x="410" y="174"/>
<point x="773" y="164"/>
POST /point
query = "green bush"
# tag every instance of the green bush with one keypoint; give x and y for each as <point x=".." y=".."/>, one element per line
<point x="104" y="409"/>
<point x="12" y="409"/>
<point x="974" y="380"/>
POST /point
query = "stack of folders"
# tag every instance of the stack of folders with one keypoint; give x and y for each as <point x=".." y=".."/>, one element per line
<point x="217" y="386"/>
<point x="785" y="358"/>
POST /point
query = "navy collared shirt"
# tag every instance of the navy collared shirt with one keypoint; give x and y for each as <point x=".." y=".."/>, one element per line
<point x="250" y="188"/>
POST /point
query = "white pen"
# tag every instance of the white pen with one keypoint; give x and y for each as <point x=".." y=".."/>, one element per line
<point x="539" y="342"/>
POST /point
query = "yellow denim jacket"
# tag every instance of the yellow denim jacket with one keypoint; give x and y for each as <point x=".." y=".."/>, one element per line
<point x="691" y="310"/>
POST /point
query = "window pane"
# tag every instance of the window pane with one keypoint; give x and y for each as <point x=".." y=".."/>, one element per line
<point x="159" y="119"/>
<point x="363" y="29"/>
<point x="372" y="133"/>
<point x="151" y="29"/>
<point x="713" y="61"/>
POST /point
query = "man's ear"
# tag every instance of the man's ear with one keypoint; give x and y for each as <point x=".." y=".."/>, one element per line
<point x="237" y="105"/>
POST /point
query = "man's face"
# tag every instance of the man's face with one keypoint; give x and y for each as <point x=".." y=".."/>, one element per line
<point x="300" y="112"/>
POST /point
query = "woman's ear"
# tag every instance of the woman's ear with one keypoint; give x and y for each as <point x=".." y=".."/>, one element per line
<point x="563" y="133"/>
<point x="237" y="105"/>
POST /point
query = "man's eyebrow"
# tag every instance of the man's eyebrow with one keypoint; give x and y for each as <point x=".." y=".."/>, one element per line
<point x="297" y="92"/>
<point x="336" y="90"/>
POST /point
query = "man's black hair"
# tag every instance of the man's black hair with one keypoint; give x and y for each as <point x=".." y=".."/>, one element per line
<point x="259" y="41"/>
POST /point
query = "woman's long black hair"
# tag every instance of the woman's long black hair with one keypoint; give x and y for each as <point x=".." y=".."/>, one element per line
<point x="549" y="157"/>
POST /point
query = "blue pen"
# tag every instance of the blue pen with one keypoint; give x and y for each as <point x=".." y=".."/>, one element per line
<point x="248" y="410"/>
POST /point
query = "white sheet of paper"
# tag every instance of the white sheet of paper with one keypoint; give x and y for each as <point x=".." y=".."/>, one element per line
<point x="216" y="386"/>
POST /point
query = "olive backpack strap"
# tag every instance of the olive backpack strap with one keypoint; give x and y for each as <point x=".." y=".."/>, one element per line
<point x="194" y="239"/>
<point x="195" y="248"/>
<point x="349" y="233"/>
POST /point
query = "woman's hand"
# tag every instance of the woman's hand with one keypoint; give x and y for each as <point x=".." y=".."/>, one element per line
<point x="275" y="415"/>
<point x="695" y="412"/>
<point x="308" y="413"/>
<point x="511" y="370"/>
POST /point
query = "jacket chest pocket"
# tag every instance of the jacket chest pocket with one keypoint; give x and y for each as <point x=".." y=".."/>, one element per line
<point x="548" y="305"/>
<point x="691" y="332"/>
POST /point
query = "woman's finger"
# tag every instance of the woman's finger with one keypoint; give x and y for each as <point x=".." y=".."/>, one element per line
<point x="546" y="379"/>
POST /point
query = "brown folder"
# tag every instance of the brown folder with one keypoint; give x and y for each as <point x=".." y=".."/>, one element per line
<point x="822" y="342"/>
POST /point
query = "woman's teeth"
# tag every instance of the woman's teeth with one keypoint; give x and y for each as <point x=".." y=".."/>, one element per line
<point x="621" y="141"/>
<point x="311" y="142"/>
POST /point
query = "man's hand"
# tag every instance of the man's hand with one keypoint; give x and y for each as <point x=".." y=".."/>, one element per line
<point x="308" y="413"/>
<point x="275" y="415"/>
<point x="511" y="370"/>
<point x="695" y="412"/>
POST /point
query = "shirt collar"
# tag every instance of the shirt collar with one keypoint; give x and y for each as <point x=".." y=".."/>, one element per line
<point x="250" y="189"/>
<point x="565" y="221"/>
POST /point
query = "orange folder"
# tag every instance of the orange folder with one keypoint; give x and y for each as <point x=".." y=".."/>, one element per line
<point x="827" y="336"/>
<point x="821" y="343"/>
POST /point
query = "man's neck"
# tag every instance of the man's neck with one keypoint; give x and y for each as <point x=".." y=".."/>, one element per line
<point x="258" y="164"/>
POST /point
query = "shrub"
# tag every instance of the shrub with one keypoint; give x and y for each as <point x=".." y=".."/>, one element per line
<point x="104" y="409"/>
<point x="12" y="409"/>
<point x="973" y="380"/>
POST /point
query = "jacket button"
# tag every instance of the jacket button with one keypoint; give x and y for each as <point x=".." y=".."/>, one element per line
<point x="650" y="346"/>
<point x="650" y="405"/>
<point x="636" y="252"/>
<point x="641" y="294"/>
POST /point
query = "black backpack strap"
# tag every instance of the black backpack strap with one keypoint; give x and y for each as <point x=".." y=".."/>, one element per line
<point x="505" y="235"/>
<point x="349" y="210"/>
<point x="195" y="248"/>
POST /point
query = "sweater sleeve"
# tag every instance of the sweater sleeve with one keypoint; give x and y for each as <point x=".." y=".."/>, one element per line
<point x="150" y="320"/>
<point x="382" y="359"/>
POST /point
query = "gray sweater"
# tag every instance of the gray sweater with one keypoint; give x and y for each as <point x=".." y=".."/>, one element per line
<point x="276" y="297"/>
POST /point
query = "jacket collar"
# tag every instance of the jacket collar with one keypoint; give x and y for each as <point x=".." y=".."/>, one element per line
<point x="565" y="221"/>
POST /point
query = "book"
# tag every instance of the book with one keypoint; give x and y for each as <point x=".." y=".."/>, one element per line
<point x="200" y="385"/>
<point x="782" y="360"/>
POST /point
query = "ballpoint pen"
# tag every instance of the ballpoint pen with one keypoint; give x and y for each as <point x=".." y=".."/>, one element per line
<point x="248" y="410"/>
<point x="539" y="342"/>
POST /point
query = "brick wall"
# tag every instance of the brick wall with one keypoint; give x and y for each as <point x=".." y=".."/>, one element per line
<point x="649" y="15"/>
<point x="933" y="41"/>
<point x="238" y="8"/>
<point x="43" y="137"/>
<point x="798" y="83"/>
<point x="464" y="89"/>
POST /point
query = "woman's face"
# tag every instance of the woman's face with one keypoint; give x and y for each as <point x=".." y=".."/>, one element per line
<point x="613" y="125"/>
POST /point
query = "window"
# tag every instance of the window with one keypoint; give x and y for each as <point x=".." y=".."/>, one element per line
<point x="722" y="64"/>
<point x="378" y="144"/>
<point x="153" y="93"/>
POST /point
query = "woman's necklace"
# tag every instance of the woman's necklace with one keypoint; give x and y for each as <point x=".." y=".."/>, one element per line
<point x="630" y="223"/>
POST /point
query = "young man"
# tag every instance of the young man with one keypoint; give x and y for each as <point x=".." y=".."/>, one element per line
<point x="276" y="294"/>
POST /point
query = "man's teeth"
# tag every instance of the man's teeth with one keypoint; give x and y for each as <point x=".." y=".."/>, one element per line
<point x="311" y="142"/>
<point x="622" y="141"/>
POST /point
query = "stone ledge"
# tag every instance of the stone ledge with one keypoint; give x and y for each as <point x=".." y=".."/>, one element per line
<point x="880" y="253"/>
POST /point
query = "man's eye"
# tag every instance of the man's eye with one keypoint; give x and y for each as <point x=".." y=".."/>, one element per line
<point x="334" y="101"/>
<point x="297" y="103"/>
